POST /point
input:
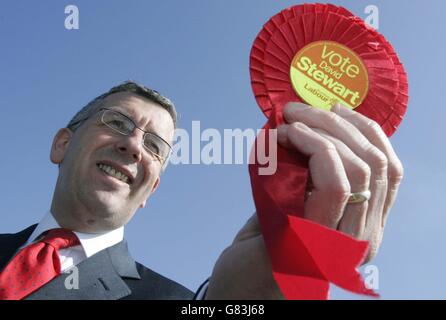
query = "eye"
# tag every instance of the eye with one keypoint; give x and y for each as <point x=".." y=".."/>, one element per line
<point x="152" y="146"/>
<point x="117" y="124"/>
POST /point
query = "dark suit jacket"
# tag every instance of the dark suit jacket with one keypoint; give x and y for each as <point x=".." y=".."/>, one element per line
<point x="109" y="274"/>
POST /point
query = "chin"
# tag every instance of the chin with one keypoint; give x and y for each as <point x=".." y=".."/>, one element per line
<point x="104" y="219"/>
<point x="109" y="210"/>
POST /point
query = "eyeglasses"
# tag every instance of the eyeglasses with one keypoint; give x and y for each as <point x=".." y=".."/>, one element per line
<point x="119" y="122"/>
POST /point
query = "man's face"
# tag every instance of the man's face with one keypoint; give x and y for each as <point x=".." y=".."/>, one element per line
<point x="89" y="199"/>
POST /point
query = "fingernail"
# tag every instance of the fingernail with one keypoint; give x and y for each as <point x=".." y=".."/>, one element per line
<point x="341" y="110"/>
<point x="336" y="107"/>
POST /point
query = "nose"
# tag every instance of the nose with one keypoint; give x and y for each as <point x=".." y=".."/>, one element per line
<point x="131" y="145"/>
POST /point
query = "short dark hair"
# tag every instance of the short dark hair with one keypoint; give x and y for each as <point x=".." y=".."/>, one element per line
<point x="128" y="86"/>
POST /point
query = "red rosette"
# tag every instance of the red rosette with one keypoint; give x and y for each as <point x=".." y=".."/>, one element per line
<point x="316" y="13"/>
<point x="293" y="28"/>
<point x="305" y="256"/>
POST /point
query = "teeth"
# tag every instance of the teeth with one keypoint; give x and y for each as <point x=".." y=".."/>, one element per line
<point x="114" y="173"/>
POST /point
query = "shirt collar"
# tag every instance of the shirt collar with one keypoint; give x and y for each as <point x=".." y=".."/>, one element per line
<point x="91" y="243"/>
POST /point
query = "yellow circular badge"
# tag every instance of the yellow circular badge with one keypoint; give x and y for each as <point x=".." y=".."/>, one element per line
<point x="326" y="72"/>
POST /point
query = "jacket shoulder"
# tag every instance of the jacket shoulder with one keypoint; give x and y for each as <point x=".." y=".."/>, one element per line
<point x="153" y="286"/>
<point x="10" y="242"/>
<point x="25" y="233"/>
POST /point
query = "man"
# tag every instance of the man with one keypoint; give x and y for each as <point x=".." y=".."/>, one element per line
<point x="110" y="158"/>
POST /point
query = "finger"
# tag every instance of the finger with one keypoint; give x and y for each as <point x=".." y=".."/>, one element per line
<point x="374" y="133"/>
<point x="331" y="190"/>
<point x="330" y="122"/>
<point x="353" y="138"/>
<point x="358" y="173"/>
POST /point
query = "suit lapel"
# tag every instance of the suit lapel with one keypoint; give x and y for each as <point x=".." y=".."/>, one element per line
<point x="95" y="278"/>
<point x="98" y="277"/>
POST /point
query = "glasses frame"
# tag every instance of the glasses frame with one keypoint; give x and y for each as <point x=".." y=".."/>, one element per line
<point x="161" y="158"/>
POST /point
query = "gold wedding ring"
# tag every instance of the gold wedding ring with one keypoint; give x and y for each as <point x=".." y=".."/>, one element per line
<point x="358" y="197"/>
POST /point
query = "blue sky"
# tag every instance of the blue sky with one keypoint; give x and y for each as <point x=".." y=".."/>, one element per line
<point x="196" y="52"/>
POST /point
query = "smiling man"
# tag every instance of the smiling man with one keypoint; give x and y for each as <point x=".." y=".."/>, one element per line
<point x="106" y="172"/>
<point x="110" y="158"/>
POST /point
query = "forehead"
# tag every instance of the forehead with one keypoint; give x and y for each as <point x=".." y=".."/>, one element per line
<point x="147" y="114"/>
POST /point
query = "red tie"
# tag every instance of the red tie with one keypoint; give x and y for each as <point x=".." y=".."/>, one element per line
<point x="35" y="265"/>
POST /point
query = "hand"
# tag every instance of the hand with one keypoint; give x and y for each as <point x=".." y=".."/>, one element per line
<point x="348" y="152"/>
<point x="243" y="270"/>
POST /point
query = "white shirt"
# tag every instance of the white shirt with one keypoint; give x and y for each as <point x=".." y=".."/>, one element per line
<point x="90" y="244"/>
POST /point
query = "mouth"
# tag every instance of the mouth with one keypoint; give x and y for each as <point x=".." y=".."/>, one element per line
<point x="115" y="172"/>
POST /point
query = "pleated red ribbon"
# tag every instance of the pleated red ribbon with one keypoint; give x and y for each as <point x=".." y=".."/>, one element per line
<point x="306" y="257"/>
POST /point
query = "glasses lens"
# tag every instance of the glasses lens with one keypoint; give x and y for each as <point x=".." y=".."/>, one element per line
<point x="156" y="145"/>
<point x="118" y="122"/>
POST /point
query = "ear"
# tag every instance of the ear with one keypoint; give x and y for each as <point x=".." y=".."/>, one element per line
<point x="60" y="145"/>
<point x="155" y="186"/>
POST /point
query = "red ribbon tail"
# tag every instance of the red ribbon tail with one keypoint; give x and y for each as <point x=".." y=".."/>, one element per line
<point x="305" y="256"/>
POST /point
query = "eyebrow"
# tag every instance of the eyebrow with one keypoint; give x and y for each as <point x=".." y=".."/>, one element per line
<point x="120" y="110"/>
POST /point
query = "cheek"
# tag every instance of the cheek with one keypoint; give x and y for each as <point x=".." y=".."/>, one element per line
<point x="93" y="145"/>
<point x="81" y="158"/>
<point x="151" y="173"/>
